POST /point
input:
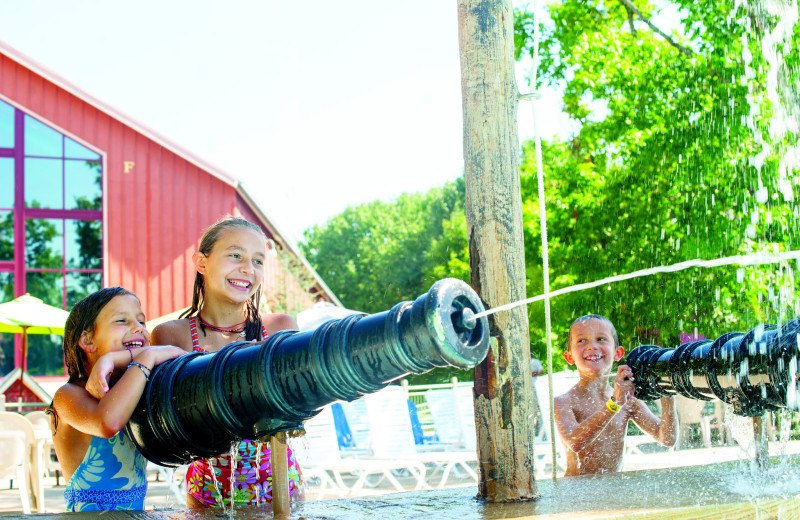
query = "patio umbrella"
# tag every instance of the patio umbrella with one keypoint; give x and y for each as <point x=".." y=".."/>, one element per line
<point x="28" y="315"/>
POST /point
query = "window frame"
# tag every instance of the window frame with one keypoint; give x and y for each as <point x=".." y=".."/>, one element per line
<point x="22" y="214"/>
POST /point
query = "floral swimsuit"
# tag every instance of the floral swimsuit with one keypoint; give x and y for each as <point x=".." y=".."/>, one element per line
<point x="252" y="471"/>
<point x="111" y="477"/>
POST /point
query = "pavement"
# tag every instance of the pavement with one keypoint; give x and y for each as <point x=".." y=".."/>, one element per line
<point x="160" y="496"/>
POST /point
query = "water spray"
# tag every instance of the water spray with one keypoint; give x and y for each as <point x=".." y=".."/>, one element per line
<point x="754" y="372"/>
<point x="197" y="405"/>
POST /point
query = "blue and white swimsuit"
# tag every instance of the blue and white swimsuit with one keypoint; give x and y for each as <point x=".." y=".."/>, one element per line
<point x="112" y="476"/>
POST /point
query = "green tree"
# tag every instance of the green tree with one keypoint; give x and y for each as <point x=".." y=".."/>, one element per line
<point x="377" y="254"/>
<point x="661" y="170"/>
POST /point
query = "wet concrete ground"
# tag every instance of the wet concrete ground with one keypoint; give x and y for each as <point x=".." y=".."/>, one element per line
<point x="729" y="490"/>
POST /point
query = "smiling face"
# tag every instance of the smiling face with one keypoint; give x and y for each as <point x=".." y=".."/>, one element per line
<point x="234" y="269"/>
<point x="592" y="347"/>
<point x="119" y="325"/>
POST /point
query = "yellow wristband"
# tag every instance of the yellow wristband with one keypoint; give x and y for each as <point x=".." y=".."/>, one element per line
<point x="611" y="405"/>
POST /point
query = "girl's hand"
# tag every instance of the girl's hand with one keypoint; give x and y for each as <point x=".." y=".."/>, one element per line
<point x="98" y="382"/>
<point x="155" y="355"/>
<point x="623" y="385"/>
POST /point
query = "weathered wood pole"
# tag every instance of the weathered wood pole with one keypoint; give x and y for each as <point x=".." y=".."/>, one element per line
<point x="503" y="389"/>
<point x="279" y="460"/>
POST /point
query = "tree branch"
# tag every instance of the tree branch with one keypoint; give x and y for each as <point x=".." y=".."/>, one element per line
<point x="629" y="5"/>
<point x="630" y="22"/>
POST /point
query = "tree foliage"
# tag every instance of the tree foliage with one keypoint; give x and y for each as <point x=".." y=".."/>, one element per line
<point x="377" y="254"/>
<point x="661" y="170"/>
<point x="679" y="154"/>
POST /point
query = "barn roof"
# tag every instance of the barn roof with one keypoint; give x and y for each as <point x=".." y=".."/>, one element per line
<point x="285" y="242"/>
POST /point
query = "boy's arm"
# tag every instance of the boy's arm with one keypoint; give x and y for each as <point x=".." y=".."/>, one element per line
<point x="663" y="430"/>
<point x="578" y="436"/>
<point x="107" y="416"/>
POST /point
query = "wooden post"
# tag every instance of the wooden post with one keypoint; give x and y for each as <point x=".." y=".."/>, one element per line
<point x="503" y="387"/>
<point x="279" y="460"/>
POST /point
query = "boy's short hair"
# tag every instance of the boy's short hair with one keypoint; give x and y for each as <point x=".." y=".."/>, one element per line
<point x="588" y="317"/>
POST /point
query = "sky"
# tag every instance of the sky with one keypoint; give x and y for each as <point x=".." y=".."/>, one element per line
<point x="314" y="106"/>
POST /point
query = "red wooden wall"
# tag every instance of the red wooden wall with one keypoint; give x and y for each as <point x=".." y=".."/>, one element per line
<point x="154" y="214"/>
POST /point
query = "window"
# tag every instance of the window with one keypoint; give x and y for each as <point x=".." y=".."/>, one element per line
<point x="51" y="233"/>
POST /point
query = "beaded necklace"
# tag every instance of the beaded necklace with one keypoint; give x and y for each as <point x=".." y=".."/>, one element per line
<point x="238" y="328"/>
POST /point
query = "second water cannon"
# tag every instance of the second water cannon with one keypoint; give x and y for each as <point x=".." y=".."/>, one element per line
<point x="754" y="371"/>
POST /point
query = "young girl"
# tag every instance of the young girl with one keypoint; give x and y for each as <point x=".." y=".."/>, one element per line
<point x="105" y="333"/>
<point x="227" y="289"/>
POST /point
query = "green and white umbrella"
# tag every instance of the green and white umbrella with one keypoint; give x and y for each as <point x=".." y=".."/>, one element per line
<point x="28" y="315"/>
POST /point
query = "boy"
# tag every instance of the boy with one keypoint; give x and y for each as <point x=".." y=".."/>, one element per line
<point x="593" y="416"/>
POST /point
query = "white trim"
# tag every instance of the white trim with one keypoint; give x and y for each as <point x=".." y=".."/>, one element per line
<point x="13" y="376"/>
<point x="54" y="126"/>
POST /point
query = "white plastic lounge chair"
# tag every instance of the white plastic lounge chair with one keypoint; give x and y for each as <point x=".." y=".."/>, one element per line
<point x="44" y="435"/>
<point x="318" y="455"/>
<point x="543" y="448"/>
<point x="453" y="414"/>
<point x="391" y="434"/>
<point x="17" y="444"/>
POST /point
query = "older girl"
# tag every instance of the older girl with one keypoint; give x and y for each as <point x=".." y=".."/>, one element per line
<point x="225" y="309"/>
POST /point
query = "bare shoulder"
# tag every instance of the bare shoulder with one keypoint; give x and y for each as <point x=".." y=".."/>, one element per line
<point x="173" y="332"/>
<point x="275" y="322"/>
<point x="564" y="401"/>
<point x="71" y="397"/>
<point x="573" y="401"/>
<point x="66" y="391"/>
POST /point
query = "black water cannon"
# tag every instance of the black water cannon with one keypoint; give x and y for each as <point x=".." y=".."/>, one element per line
<point x="754" y="372"/>
<point x="197" y="405"/>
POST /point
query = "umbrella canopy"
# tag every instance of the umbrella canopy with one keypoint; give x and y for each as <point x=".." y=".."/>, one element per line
<point x="28" y="315"/>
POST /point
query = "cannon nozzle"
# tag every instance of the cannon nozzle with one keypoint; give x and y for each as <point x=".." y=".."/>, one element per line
<point x="754" y="372"/>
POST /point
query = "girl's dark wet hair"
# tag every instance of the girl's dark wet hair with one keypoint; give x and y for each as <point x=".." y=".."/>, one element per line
<point x="593" y="317"/>
<point x="81" y="319"/>
<point x="252" y="328"/>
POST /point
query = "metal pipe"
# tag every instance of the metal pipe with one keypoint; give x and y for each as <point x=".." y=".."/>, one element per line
<point x="197" y="405"/>
<point x="754" y="372"/>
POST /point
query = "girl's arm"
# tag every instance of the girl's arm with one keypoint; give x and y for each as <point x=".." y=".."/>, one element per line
<point x="99" y="381"/>
<point x="663" y="430"/>
<point x="107" y="416"/>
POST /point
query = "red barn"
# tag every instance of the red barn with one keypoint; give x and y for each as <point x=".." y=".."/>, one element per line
<point x="91" y="198"/>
